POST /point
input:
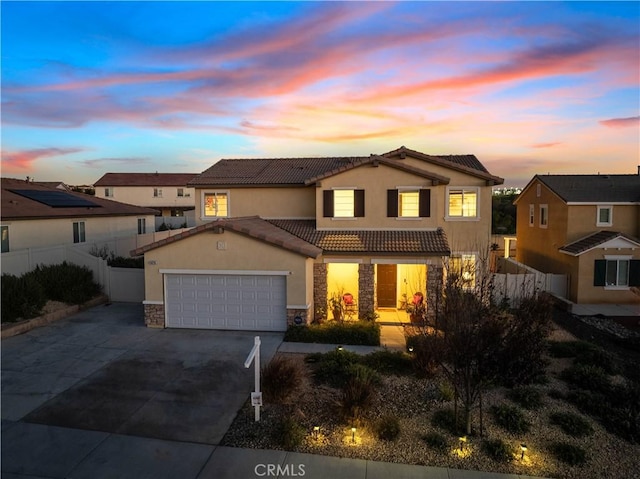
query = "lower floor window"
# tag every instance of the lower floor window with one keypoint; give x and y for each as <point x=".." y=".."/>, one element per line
<point x="5" y="239"/>
<point x="617" y="273"/>
<point x="79" y="232"/>
<point x="142" y="226"/>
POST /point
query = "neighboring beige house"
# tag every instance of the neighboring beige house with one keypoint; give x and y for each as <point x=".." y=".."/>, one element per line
<point x="279" y="237"/>
<point x="166" y="192"/>
<point x="586" y="227"/>
<point x="36" y="215"/>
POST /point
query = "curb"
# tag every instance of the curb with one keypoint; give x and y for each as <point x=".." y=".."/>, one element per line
<point x="13" y="329"/>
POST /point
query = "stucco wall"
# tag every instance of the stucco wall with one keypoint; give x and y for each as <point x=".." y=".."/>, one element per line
<point x="51" y="232"/>
<point x="586" y="292"/>
<point x="201" y="252"/>
<point x="295" y="202"/>
<point x="143" y="196"/>
<point x="581" y="220"/>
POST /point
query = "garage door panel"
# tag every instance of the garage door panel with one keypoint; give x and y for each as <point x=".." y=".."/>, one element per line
<point x="237" y="302"/>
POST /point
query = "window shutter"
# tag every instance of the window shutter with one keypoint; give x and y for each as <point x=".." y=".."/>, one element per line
<point x="600" y="272"/>
<point x="634" y="272"/>
<point x="425" y="203"/>
<point x="392" y="203"/>
<point x="358" y="199"/>
<point x="327" y="203"/>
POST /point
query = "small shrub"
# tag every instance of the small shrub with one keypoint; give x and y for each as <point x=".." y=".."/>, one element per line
<point x="526" y="396"/>
<point x="510" y="418"/>
<point x="571" y="423"/>
<point x="358" y="392"/>
<point x="333" y="368"/>
<point x="122" y="262"/>
<point x="22" y="298"/>
<point x="388" y="428"/>
<point x="290" y="433"/>
<point x="591" y="378"/>
<point x="280" y="379"/>
<point x="588" y="402"/>
<point x="557" y="394"/>
<point x="498" y="450"/>
<point x="599" y="358"/>
<point x="66" y="282"/>
<point x="446" y="391"/>
<point x="388" y="362"/>
<point x="569" y="453"/>
<point x="568" y="349"/>
<point x="358" y="333"/>
<point x="446" y="419"/>
<point x="424" y="354"/>
<point x="435" y="440"/>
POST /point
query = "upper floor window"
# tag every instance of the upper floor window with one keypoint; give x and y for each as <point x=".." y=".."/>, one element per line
<point x="157" y="192"/>
<point x="180" y="191"/>
<point x="108" y="192"/>
<point x="343" y="203"/>
<point x="604" y="216"/>
<point x="544" y="216"/>
<point x="532" y="210"/>
<point x="409" y="203"/>
<point x="79" y="235"/>
<point x="462" y="202"/>
<point x="4" y="232"/>
<point x="142" y="226"/>
<point x="216" y="204"/>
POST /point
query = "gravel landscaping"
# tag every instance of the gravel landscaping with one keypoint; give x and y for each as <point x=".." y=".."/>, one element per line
<point x="413" y="402"/>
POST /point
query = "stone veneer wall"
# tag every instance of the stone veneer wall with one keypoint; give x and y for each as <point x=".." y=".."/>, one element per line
<point x="303" y="313"/>
<point x="320" y="290"/>
<point x="366" y="289"/>
<point x="154" y="315"/>
<point x="434" y="289"/>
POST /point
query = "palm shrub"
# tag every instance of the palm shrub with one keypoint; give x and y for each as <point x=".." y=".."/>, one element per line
<point x="498" y="450"/>
<point x="435" y="440"/>
<point x="290" y="433"/>
<point x="388" y="428"/>
<point x="569" y="453"/>
<point x="359" y="391"/>
<point x="280" y="379"/>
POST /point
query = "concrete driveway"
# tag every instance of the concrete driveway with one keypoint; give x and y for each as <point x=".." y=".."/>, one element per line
<point x="103" y="370"/>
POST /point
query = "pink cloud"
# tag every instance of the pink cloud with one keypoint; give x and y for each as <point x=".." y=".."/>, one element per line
<point x="621" y="122"/>
<point x="22" y="160"/>
<point x="546" y="145"/>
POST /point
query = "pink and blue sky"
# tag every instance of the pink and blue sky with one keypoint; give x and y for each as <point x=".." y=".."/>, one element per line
<point x="531" y="87"/>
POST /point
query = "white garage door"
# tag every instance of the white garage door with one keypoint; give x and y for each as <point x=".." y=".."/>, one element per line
<point x="217" y="301"/>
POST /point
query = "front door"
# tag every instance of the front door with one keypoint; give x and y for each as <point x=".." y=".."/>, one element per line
<point x="386" y="289"/>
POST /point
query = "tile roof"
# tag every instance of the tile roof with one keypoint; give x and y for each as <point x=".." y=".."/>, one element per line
<point x="145" y="179"/>
<point x="366" y="241"/>
<point x="304" y="171"/>
<point x="252" y="226"/>
<point x="593" y="240"/>
<point x="17" y="207"/>
<point x="594" y="188"/>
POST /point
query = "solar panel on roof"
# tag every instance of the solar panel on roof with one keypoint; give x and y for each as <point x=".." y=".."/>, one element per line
<point x="56" y="199"/>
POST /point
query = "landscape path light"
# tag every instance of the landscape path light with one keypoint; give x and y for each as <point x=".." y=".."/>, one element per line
<point x="463" y="439"/>
<point x="523" y="448"/>
<point x="316" y="432"/>
<point x="353" y="434"/>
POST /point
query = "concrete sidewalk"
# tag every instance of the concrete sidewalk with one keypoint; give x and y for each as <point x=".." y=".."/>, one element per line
<point x="30" y="451"/>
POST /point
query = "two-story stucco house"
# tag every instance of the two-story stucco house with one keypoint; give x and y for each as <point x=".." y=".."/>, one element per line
<point x="586" y="227"/>
<point x="278" y="237"/>
<point x="36" y="215"/>
<point x="166" y="192"/>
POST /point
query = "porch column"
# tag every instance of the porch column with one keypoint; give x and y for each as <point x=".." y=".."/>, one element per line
<point x="319" y="291"/>
<point x="366" y="281"/>
<point x="434" y="290"/>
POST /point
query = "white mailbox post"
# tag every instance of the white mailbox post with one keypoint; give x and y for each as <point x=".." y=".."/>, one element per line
<point x="256" y="396"/>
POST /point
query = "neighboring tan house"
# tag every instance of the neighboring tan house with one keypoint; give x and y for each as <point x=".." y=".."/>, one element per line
<point x="586" y="227"/>
<point x="278" y="238"/>
<point x="166" y="192"/>
<point x="36" y="215"/>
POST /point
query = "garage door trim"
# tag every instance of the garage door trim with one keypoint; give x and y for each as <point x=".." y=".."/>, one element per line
<point x="226" y="272"/>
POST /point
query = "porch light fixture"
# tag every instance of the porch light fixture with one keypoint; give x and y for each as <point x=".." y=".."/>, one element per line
<point x="316" y="432"/>
<point x="340" y="348"/>
<point x="353" y="434"/>
<point x="523" y="448"/>
<point x="463" y="439"/>
<point x="411" y="349"/>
